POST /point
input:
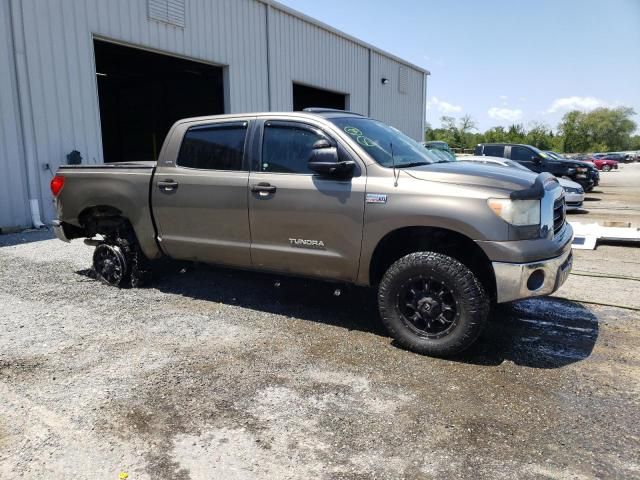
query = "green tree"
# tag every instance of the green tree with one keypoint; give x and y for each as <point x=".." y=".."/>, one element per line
<point x="602" y="129"/>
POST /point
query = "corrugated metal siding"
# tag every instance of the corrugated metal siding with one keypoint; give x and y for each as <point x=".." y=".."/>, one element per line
<point x="403" y="111"/>
<point x="14" y="208"/>
<point x="59" y="51"/>
<point x="305" y="53"/>
<point x="59" y="86"/>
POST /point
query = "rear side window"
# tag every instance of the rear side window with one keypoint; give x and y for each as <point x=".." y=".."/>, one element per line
<point x="214" y="147"/>
<point x="286" y="149"/>
<point x="493" y="150"/>
<point x="521" y="154"/>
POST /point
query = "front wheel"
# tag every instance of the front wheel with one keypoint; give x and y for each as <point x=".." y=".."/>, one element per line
<point x="606" y="168"/>
<point x="432" y="304"/>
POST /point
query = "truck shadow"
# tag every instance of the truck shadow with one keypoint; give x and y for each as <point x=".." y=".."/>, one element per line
<point x="538" y="333"/>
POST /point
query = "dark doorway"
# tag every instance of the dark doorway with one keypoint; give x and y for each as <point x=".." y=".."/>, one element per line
<point x="304" y="97"/>
<point x="143" y="93"/>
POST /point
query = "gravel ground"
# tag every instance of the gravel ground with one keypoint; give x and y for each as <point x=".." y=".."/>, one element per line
<point x="211" y="373"/>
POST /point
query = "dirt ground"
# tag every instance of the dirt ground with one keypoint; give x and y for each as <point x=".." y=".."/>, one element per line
<point x="210" y="373"/>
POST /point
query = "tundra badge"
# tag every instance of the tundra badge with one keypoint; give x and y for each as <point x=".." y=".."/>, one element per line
<point x="376" y="198"/>
<point x="302" y="243"/>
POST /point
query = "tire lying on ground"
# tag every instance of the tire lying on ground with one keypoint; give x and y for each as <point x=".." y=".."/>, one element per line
<point x="432" y="304"/>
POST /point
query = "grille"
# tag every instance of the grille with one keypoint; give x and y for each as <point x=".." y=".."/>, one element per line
<point x="558" y="215"/>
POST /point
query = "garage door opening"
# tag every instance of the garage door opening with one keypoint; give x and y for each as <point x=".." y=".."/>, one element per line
<point x="142" y="94"/>
<point x="305" y="97"/>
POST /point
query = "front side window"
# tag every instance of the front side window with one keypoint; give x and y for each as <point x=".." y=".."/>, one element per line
<point x="287" y="149"/>
<point x="213" y="147"/>
<point x="521" y="154"/>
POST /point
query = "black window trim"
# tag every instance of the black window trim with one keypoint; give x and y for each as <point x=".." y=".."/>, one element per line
<point x="255" y="167"/>
<point x="246" y="124"/>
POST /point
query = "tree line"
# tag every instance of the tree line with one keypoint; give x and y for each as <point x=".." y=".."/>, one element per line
<point x="600" y="130"/>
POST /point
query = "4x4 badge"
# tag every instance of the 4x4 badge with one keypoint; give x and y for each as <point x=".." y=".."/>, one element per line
<point x="376" y="198"/>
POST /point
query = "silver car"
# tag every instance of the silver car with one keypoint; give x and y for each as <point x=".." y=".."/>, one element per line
<point x="573" y="192"/>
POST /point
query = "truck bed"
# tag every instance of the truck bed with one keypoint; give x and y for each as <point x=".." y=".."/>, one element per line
<point x="121" y="187"/>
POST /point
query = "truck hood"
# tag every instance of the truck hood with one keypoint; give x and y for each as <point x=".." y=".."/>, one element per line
<point x="480" y="175"/>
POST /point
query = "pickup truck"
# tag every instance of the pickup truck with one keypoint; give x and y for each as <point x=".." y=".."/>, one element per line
<point x="331" y="195"/>
<point x="538" y="161"/>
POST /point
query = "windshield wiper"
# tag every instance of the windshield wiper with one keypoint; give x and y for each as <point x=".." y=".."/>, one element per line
<point x="413" y="164"/>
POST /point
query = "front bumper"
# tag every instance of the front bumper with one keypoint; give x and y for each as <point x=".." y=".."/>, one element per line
<point x="58" y="229"/>
<point x="522" y="280"/>
<point x="573" y="200"/>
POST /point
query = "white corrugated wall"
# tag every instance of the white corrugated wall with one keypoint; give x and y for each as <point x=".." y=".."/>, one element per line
<point x="57" y="81"/>
<point x="14" y="208"/>
<point x="304" y="53"/>
<point x="402" y="110"/>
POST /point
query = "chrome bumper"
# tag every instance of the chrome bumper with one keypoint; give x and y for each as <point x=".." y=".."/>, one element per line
<point x="59" y="231"/>
<point x="521" y="280"/>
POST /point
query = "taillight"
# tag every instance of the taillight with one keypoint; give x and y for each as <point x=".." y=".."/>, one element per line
<point x="57" y="183"/>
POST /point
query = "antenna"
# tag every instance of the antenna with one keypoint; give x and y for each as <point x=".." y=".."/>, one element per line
<point x="393" y="161"/>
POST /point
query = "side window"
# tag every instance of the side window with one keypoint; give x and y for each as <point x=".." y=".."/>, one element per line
<point x="213" y="147"/>
<point x="286" y="149"/>
<point x="493" y="150"/>
<point x="521" y="154"/>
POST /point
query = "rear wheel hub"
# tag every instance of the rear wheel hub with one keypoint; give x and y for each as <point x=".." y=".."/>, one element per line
<point x="110" y="264"/>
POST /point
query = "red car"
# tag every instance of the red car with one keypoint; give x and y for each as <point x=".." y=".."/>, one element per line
<point x="601" y="163"/>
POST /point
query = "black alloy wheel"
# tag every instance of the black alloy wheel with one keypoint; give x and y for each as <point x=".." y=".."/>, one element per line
<point x="428" y="306"/>
<point x="110" y="264"/>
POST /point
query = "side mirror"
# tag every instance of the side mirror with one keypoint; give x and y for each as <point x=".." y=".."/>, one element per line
<point x="324" y="160"/>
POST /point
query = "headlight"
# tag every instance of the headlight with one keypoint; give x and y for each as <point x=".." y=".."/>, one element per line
<point x="516" y="212"/>
<point x="582" y="169"/>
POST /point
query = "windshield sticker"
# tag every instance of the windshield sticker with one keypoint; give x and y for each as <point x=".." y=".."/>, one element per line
<point x="360" y="138"/>
<point x="366" y="141"/>
<point x="356" y="132"/>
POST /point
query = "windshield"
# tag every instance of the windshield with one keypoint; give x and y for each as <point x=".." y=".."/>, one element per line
<point x="379" y="140"/>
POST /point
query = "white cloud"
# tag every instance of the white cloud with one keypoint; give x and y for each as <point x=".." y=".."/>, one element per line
<point x="503" y="98"/>
<point x="510" y="114"/>
<point x="576" y="103"/>
<point x="442" y="106"/>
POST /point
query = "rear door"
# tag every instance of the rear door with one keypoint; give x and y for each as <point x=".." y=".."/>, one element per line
<point x="301" y="222"/>
<point x="200" y="200"/>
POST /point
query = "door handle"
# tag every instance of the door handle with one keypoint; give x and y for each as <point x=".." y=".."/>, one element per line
<point x="263" y="188"/>
<point x="167" y="185"/>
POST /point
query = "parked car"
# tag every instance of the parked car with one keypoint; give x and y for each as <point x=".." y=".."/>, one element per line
<point x="439" y="146"/>
<point x="617" y="157"/>
<point x="600" y="163"/>
<point x="573" y="192"/>
<point x="332" y="195"/>
<point x="538" y="161"/>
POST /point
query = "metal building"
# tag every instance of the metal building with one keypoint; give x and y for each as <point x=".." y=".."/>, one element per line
<point x="106" y="78"/>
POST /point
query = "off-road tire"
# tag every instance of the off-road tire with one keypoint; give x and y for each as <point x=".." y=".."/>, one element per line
<point x="471" y="301"/>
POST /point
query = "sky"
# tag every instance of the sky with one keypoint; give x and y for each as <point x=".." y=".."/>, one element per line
<point x="504" y="61"/>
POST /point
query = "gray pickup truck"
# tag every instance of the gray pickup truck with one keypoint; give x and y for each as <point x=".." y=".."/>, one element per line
<point x="332" y="195"/>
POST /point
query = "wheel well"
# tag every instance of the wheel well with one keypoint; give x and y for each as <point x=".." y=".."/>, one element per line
<point x="401" y="242"/>
<point x="102" y="219"/>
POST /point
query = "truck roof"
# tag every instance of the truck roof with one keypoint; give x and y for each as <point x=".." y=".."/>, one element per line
<point x="307" y="112"/>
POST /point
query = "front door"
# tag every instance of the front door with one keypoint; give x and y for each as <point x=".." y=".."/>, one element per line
<point x="200" y="201"/>
<point x="525" y="157"/>
<point x="303" y="223"/>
